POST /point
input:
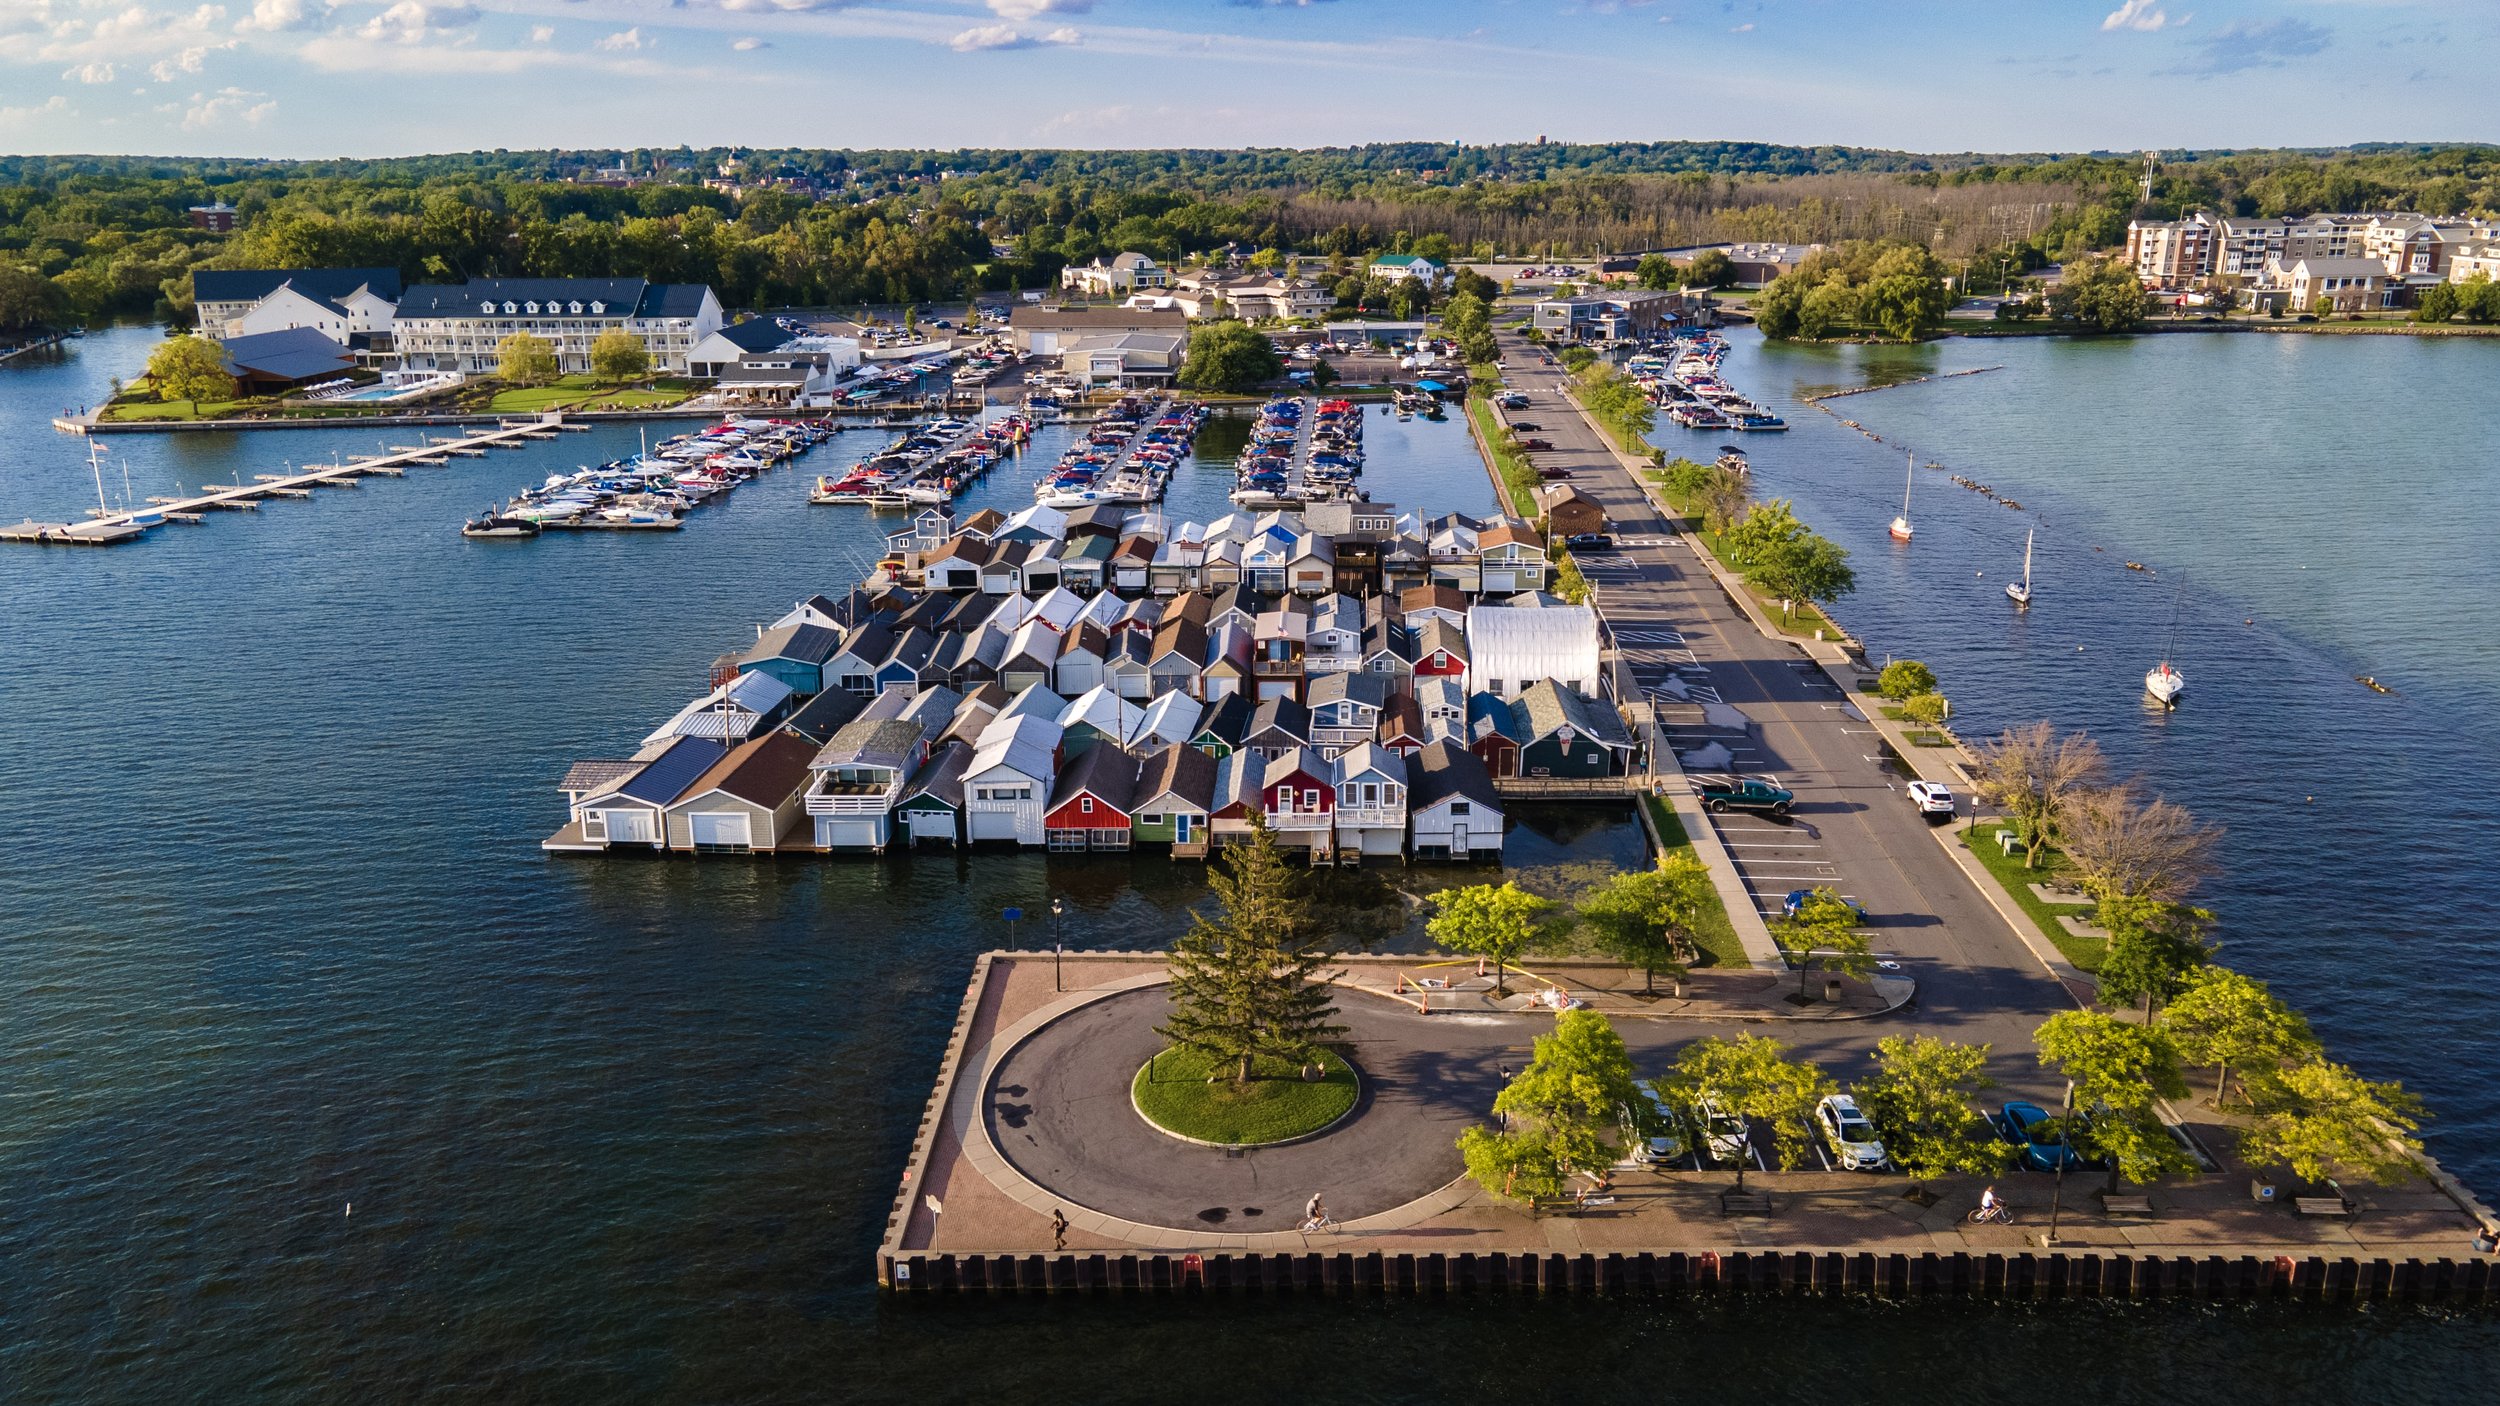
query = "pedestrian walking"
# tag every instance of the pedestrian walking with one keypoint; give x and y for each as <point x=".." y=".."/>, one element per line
<point x="1058" y="1228"/>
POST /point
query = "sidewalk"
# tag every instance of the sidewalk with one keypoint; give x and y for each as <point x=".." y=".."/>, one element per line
<point x="1442" y="985"/>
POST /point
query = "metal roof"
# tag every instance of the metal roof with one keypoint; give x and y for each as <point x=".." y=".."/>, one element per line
<point x="671" y="772"/>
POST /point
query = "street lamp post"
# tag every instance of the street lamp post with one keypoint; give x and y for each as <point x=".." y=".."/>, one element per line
<point x="1057" y="907"/>
<point x="2065" y="1153"/>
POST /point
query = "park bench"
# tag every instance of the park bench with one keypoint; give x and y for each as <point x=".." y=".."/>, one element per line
<point x="2127" y="1205"/>
<point x="1747" y="1203"/>
<point x="2321" y="1206"/>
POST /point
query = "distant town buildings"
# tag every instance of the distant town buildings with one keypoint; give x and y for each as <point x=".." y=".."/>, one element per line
<point x="1631" y="313"/>
<point x="2354" y="260"/>
<point x="1116" y="277"/>
<point x="219" y="217"/>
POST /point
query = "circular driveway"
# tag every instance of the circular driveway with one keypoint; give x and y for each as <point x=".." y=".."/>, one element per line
<point x="1057" y="1107"/>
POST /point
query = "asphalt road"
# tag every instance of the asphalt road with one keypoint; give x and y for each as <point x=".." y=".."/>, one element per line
<point x="1853" y="828"/>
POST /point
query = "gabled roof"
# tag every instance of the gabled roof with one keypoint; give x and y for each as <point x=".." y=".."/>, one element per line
<point x="1371" y="757"/>
<point x="1171" y="718"/>
<point x="677" y="767"/>
<point x="805" y="644"/>
<point x="1439" y="635"/>
<point x="1038" y="701"/>
<point x="1103" y="710"/>
<point x="730" y="710"/>
<point x="1300" y="759"/>
<point x="1441" y="772"/>
<point x="757" y="334"/>
<point x="870" y="644"/>
<point x="1489" y="714"/>
<point x="1546" y="707"/>
<point x="1283" y="715"/>
<point x="616" y="297"/>
<point x="590" y="776"/>
<point x="941" y="781"/>
<point x="1370" y="690"/>
<point x="1024" y="744"/>
<point x="825" y="714"/>
<point x="887" y="743"/>
<point x="1182" y="773"/>
<point x="1107" y="772"/>
<point x="1228" y="721"/>
<point x="763" y="771"/>
<point x="252" y="285"/>
<point x="289" y="354"/>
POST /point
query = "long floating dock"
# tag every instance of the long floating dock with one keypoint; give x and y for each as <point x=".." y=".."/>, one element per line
<point x="113" y="529"/>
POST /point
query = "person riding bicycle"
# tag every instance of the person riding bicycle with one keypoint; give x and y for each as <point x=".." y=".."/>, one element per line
<point x="1314" y="1214"/>
<point x="1989" y="1205"/>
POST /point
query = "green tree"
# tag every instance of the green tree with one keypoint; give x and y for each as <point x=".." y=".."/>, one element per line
<point x="2479" y="299"/>
<point x="2439" y="303"/>
<point x="1751" y="1077"/>
<point x="1563" y="1113"/>
<point x="1829" y="306"/>
<point x="1250" y="984"/>
<point x="189" y="369"/>
<point x="27" y="298"/>
<point x="1482" y="920"/>
<point x="1921" y="1098"/>
<point x="1780" y="308"/>
<point x="2031" y="773"/>
<point x="2322" y="305"/>
<point x="619" y="355"/>
<point x="1650" y="916"/>
<point x="1905" y="294"/>
<point x="2154" y="947"/>
<point x="1928" y="708"/>
<point x="1229" y="356"/>
<point x="2230" y="1021"/>
<point x="1658" y="271"/>
<point x="2119" y="1071"/>
<point x="1903" y="677"/>
<point x="2324" y="1120"/>
<point x="2102" y="294"/>
<point x="1805" y="567"/>
<point x="1569" y="584"/>
<point x="1825" y="929"/>
<point x="1711" y="268"/>
<point x="1763" y="530"/>
<point x="524" y="360"/>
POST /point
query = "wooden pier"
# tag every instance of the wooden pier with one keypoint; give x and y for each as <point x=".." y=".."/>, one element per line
<point x="112" y="529"/>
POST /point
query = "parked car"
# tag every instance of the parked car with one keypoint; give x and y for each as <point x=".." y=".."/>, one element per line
<point x="1551" y="475"/>
<point x="1536" y="444"/>
<point x="2029" y="1127"/>
<point x="1525" y="424"/>
<point x="1934" y="799"/>
<point x="1655" y="1132"/>
<point x="1747" y="793"/>
<point x="1849" y="1134"/>
<point x="1723" y="1134"/>
<point x="1795" y="903"/>
<point x="1589" y="541"/>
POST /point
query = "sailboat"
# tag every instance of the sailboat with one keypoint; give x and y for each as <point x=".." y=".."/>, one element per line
<point x="2019" y="592"/>
<point x="2164" y="682"/>
<point x="1901" y="525"/>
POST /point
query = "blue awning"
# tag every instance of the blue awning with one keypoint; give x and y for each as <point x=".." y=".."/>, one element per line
<point x="1430" y="386"/>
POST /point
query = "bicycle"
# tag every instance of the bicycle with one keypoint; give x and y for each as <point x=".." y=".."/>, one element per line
<point x="1317" y="1224"/>
<point x="2000" y="1214"/>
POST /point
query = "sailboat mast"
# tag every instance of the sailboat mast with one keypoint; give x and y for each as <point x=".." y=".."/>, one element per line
<point x="1908" y="477"/>
<point x="2027" y="559"/>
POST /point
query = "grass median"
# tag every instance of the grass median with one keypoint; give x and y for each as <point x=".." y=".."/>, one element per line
<point x="1192" y="1094"/>
<point x="1716" y="933"/>
<point x="2007" y="869"/>
<point x="1802" y="620"/>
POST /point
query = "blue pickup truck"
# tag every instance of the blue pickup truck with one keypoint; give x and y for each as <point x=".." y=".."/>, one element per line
<point x="1747" y="793"/>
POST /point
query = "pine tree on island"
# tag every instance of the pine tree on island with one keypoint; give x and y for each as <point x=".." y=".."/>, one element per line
<point x="1247" y="985"/>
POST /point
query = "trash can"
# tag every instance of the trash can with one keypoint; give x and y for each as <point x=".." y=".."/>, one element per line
<point x="2260" y="1189"/>
<point x="1831" y="989"/>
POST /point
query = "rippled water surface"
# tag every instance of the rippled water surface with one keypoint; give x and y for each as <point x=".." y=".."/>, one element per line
<point x="278" y="940"/>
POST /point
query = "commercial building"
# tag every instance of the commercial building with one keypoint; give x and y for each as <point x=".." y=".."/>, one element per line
<point x="460" y="327"/>
<point x="1116" y="277"/>
<point x="1048" y="331"/>
<point x="341" y="304"/>
<point x="1601" y="317"/>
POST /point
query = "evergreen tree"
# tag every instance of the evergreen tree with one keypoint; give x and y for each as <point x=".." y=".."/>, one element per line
<point x="1249" y="985"/>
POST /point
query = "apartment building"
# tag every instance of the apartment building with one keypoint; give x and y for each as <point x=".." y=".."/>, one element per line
<point x="2411" y="250"/>
<point x="459" y="327"/>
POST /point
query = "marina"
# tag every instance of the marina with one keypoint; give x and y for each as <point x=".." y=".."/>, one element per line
<point x="927" y="465"/>
<point x="656" y="489"/>
<point x="111" y="527"/>
<point x="1681" y="377"/>
<point x="1302" y="452"/>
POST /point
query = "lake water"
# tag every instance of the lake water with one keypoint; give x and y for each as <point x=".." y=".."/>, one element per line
<point x="280" y="941"/>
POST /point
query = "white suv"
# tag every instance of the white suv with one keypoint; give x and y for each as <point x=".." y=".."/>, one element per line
<point x="1849" y="1135"/>
<point x="1723" y="1134"/>
<point x="1933" y="798"/>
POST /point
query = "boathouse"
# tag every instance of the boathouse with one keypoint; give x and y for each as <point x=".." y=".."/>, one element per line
<point x="1453" y="811"/>
<point x="1090" y="806"/>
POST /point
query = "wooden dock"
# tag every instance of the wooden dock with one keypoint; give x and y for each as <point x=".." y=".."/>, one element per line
<point x="114" y="528"/>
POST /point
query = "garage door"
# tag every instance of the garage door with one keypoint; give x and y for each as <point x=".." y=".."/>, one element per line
<point x="631" y="827"/>
<point x="722" y="829"/>
<point x="993" y="824"/>
<point x="931" y="824"/>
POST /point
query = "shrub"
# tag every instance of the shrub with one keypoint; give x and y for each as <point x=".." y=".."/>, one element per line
<point x="1925" y="708"/>
<point x="1903" y="678"/>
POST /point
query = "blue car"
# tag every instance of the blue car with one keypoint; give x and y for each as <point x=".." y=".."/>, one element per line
<point x="2029" y="1127"/>
<point x="1795" y="902"/>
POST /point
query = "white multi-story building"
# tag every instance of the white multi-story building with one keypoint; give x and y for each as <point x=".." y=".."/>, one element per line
<point x="2412" y="249"/>
<point x="1116" y="277"/>
<point x="341" y="304"/>
<point x="459" y="327"/>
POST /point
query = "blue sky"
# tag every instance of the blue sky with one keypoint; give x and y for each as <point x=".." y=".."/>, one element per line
<point x="383" y="77"/>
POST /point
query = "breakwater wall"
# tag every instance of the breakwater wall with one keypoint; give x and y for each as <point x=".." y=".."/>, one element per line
<point x="2024" y="1275"/>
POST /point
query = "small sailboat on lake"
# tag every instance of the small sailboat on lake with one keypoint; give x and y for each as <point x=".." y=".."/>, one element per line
<point x="2164" y="681"/>
<point x="1900" y="528"/>
<point x="2019" y="592"/>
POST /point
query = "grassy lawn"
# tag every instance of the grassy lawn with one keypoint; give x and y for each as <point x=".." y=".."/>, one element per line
<point x="585" y="393"/>
<point x="1802" y="622"/>
<point x="1922" y="737"/>
<point x="1717" y="938"/>
<point x="2084" y="952"/>
<point x="1517" y="477"/>
<point x="1174" y="1093"/>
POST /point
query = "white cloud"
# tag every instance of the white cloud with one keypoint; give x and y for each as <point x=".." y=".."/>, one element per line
<point x="750" y="45"/>
<point x="414" y="22"/>
<point x="230" y="105"/>
<point x="796" y="7"/>
<point x="188" y="61"/>
<point x="272" y="16"/>
<point x="542" y="33"/>
<point x="91" y="73"/>
<point x="624" y="41"/>
<point x="1030" y="9"/>
<point x="126" y="36"/>
<point x="56" y="105"/>
<point x="1745" y="28"/>
<point x="2146" y="15"/>
<point x="984" y="37"/>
